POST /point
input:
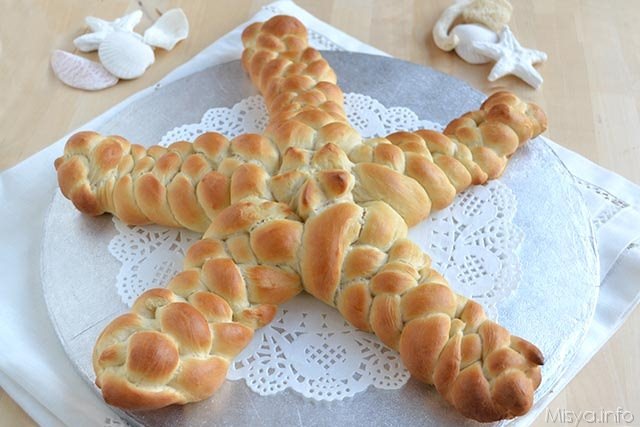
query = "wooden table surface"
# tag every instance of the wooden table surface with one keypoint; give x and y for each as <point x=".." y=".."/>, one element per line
<point x="591" y="94"/>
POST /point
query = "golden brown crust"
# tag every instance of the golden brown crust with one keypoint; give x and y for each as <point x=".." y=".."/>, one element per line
<point x="277" y="241"/>
<point x="403" y="194"/>
<point x="421" y="342"/>
<point x="117" y="391"/>
<point x="187" y="326"/>
<point x="354" y="302"/>
<point x="362" y="262"/>
<point x="443" y="338"/>
<point x="176" y="344"/>
<point x="386" y="319"/>
<point x="184" y="185"/>
<point x="151" y="357"/>
<point x="271" y="285"/>
<point x="472" y="149"/>
<point x="200" y="378"/>
<point x="325" y="240"/>
<point x="382" y="227"/>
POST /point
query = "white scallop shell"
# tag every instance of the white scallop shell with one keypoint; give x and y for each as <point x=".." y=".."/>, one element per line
<point x="79" y="72"/>
<point x="168" y="30"/>
<point x="125" y="55"/>
<point x="467" y="34"/>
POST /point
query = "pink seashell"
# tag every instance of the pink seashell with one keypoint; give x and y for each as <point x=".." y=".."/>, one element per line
<point x="79" y="72"/>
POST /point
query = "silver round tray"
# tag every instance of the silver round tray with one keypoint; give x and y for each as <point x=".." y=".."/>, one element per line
<point x="552" y="307"/>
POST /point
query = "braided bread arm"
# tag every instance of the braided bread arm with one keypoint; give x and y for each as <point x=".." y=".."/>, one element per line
<point x="473" y="149"/>
<point x="358" y="260"/>
<point x="184" y="185"/>
<point x="291" y="76"/>
<point x="176" y="343"/>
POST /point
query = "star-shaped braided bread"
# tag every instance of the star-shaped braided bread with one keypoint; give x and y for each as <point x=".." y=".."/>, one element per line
<point x="308" y="205"/>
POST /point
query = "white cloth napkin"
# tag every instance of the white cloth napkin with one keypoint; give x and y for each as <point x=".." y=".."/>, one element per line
<point x="34" y="369"/>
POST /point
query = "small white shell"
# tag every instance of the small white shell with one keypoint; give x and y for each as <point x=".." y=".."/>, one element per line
<point x="168" y="30"/>
<point x="125" y="55"/>
<point x="467" y="34"/>
<point x="79" y="72"/>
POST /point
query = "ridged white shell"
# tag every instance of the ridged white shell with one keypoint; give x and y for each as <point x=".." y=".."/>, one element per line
<point x="125" y="55"/>
<point x="168" y="30"/>
<point x="79" y="72"/>
<point x="467" y="34"/>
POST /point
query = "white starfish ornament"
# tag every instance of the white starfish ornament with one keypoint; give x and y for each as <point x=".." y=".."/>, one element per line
<point x="101" y="29"/>
<point x="512" y="58"/>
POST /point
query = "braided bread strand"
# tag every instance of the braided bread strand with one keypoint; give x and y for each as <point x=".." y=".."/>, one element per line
<point x="176" y="344"/>
<point x="291" y="76"/>
<point x="184" y="185"/>
<point x="358" y="260"/>
<point x="473" y="149"/>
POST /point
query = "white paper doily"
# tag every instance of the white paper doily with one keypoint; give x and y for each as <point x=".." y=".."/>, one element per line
<point x="312" y="350"/>
<point x="473" y="243"/>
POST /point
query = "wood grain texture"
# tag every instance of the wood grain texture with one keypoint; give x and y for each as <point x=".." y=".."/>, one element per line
<point x="591" y="94"/>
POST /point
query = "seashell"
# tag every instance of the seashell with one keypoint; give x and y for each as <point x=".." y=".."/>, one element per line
<point x="100" y="29"/>
<point x="493" y="14"/>
<point x="168" y="30"/>
<point x="79" y="72"/>
<point x="440" y="31"/>
<point x="467" y="34"/>
<point x="125" y="55"/>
